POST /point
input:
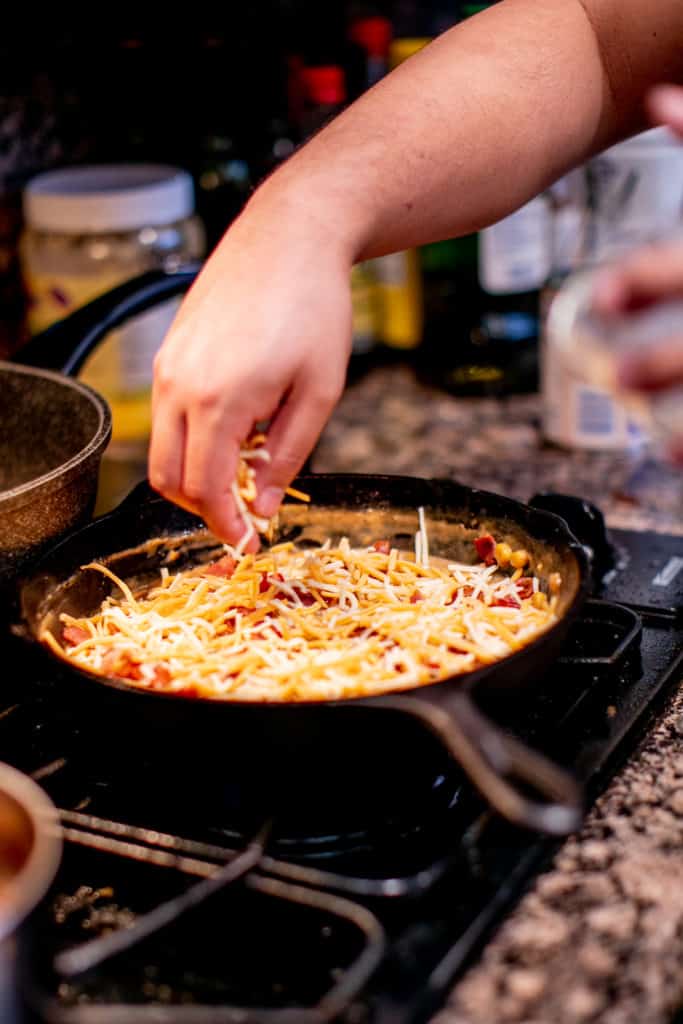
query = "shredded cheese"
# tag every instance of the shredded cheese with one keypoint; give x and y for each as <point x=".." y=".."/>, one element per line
<point x="243" y="490"/>
<point x="307" y="625"/>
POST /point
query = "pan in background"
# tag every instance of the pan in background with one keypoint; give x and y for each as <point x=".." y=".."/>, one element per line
<point x="54" y="429"/>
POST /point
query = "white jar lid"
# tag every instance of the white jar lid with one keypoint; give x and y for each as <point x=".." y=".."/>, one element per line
<point x="108" y="198"/>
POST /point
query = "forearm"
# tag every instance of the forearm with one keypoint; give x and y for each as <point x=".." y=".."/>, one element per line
<point x="479" y="122"/>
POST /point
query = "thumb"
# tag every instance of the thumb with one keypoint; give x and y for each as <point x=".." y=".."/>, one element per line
<point x="665" y="106"/>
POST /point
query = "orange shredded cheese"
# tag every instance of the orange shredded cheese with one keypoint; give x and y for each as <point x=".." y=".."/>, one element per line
<point x="307" y="625"/>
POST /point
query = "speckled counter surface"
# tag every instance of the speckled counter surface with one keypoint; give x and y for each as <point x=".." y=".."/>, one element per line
<point x="389" y="423"/>
<point x="600" y="936"/>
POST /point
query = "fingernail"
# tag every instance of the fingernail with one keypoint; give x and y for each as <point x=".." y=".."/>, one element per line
<point x="269" y="501"/>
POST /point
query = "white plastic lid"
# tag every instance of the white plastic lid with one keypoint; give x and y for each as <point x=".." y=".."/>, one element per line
<point x="108" y="197"/>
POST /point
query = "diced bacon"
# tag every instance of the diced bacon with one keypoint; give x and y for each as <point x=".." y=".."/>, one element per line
<point x="225" y="566"/>
<point x="121" y="664"/>
<point x="306" y="599"/>
<point x="416" y="596"/>
<point x="187" y="690"/>
<point x="267" y="581"/>
<point x="161" y="677"/>
<point x="486" y="547"/>
<point x="382" y="546"/>
<point x="75" y="635"/>
<point x="466" y="591"/>
<point x="525" y="587"/>
<point x="505" y="602"/>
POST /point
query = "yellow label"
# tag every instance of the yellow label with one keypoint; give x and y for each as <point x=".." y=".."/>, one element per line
<point x="53" y="296"/>
<point x="120" y="368"/>
<point x="400" y="289"/>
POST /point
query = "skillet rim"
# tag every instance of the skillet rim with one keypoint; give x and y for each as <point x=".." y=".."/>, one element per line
<point x="142" y="494"/>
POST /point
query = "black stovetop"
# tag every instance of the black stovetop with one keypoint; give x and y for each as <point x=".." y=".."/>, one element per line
<point x="187" y="905"/>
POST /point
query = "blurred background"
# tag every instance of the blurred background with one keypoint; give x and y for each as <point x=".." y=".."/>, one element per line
<point x="200" y="107"/>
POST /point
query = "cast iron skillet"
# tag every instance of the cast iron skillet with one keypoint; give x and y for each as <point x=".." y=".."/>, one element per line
<point x="147" y="532"/>
<point x="53" y="429"/>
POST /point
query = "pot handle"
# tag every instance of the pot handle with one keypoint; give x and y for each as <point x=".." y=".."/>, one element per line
<point x="494" y="761"/>
<point x="65" y="345"/>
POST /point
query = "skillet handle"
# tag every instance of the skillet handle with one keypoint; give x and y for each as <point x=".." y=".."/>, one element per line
<point x="495" y="761"/>
<point x="66" y="345"/>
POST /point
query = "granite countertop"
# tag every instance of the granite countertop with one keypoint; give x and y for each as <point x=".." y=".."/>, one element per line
<point x="390" y="423"/>
<point x="599" y="937"/>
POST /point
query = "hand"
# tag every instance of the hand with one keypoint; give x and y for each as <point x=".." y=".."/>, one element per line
<point x="264" y="334"/>
<point x="652" y="274"/>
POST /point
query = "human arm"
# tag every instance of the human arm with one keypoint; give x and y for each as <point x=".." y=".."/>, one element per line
<point x="459" y="136"/>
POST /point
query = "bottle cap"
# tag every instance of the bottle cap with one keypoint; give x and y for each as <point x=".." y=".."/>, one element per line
<point x="325" y="84"/>
<point x="373" y="34"/>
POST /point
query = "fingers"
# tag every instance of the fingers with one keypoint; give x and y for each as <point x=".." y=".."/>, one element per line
<point x="654" y="272"/>
<point x="291" y="437"/>
<point x="658" y="368"/>
<point x="665" y="106"/>
<point x="194" y="450"/>
<point x="211" y="456"/>
<point x="166" y="453"/>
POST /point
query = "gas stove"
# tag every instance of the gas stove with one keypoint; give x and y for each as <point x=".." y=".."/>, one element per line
<point x="201" y="900"/>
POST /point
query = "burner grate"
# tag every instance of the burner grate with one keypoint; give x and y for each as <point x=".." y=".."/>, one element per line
<point x="109" y="976"/>
<point x="366" y="920"/>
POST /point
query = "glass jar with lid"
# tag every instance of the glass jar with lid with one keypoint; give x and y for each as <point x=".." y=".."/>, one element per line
<point x="90" y="228"/>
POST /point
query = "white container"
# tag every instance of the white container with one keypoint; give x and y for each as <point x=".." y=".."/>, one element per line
<point x="635" y="196"/>
<point x="579" y="410"/>
<point x="89" y="229"/>
<point x="590" y="349"/>
<point x="515" y="253"/>
<point x="636" y="193"/>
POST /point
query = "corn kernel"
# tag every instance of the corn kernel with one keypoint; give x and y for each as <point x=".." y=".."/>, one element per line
<point x="539" y="600"/>
<point x="518" y="559"/>
<point x="502" y="553"/>
<point x="554" y="582"/>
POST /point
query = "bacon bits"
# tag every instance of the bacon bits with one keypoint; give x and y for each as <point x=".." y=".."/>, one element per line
<point x="382" y="546"/>
<point x="525" y="587"/>
<point x="161" y="677"/>
<point x="225" y="566"/>
<point x="75" y="635"/>
<point x="268" y="580"/>
<point x="506" y="602"/>
<point x="121" y="664"/>
<point x="486" y="549"/>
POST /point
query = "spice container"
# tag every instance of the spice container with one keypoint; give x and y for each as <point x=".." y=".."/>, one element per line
<point x="89" y="229"/>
